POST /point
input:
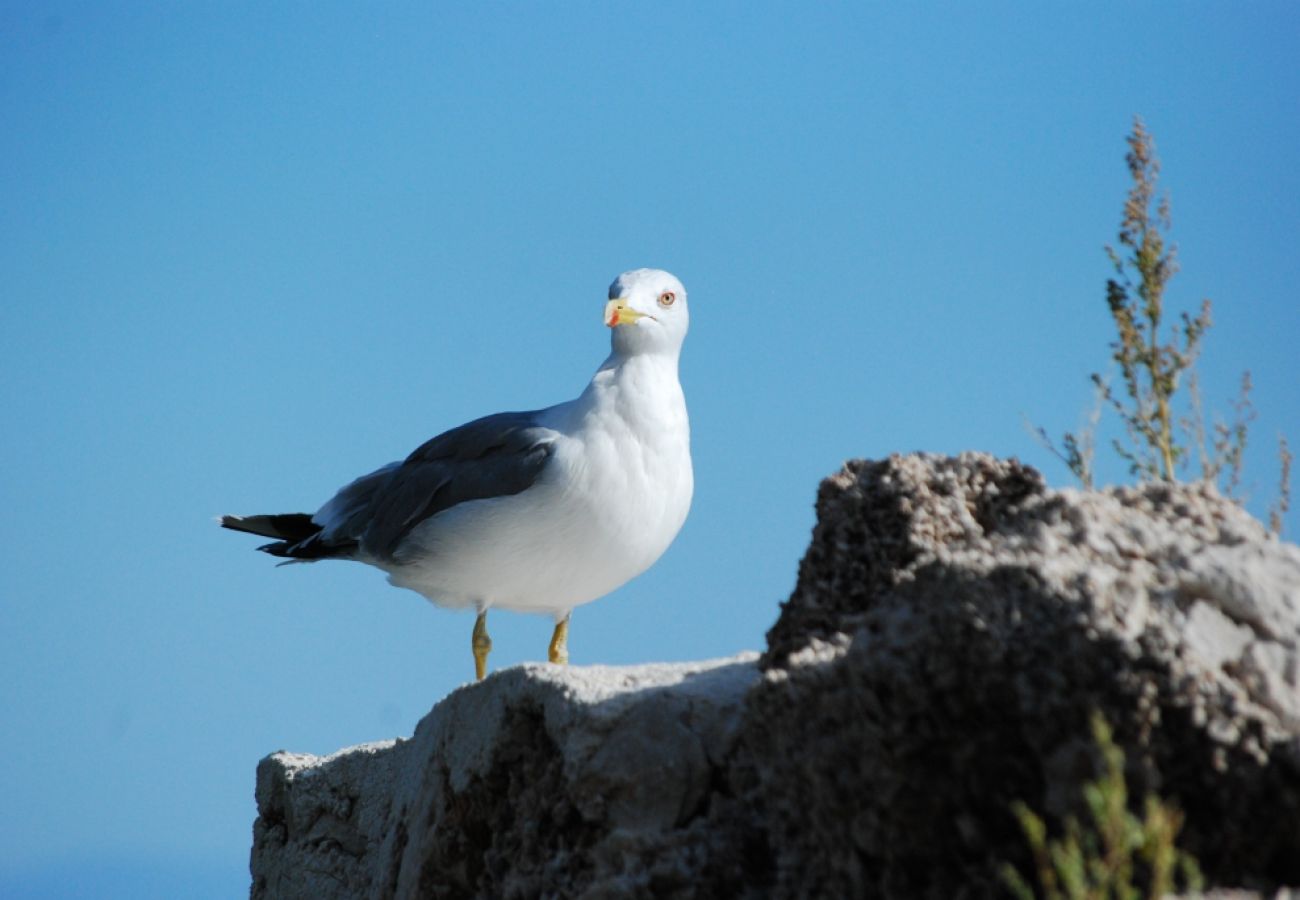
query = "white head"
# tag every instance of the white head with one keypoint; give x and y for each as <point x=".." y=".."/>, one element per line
<point x="647" y="311"/>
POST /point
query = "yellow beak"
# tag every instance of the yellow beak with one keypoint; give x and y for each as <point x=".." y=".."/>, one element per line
<point x="617" y="312"/>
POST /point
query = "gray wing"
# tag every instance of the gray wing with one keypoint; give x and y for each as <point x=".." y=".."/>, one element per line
<point x="494" y="456"/>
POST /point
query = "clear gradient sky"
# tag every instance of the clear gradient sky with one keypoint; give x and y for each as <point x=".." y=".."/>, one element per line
<point x="249" y="251"/>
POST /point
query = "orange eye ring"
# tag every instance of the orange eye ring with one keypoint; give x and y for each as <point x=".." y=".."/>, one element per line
<point x="667" y="298"/>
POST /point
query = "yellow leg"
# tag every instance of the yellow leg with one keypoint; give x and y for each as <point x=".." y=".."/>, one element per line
<point x="482" y="646"/>
<point x="559" y="650"/>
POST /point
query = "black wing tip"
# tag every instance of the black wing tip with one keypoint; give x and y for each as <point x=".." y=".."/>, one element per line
<point x="297" y="536"/>
<point x="292" y="527"/>
<point x="244" y="524"/>
<point x="309" y="550"/>
<point x="276" y="548"/>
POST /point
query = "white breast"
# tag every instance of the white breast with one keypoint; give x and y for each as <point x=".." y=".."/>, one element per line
<point x="613" y="497"/>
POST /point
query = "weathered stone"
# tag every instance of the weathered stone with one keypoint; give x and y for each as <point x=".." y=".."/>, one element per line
<point x="978" y="619"/>
<point x="540" y="781"/>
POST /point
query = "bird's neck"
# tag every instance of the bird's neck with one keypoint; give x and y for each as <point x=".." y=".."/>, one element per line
<point x="631" y="374"/>
<point x="641" y="387"/>
<point x="621" y="365"/>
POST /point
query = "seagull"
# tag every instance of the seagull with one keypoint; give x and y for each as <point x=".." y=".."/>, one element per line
<point x="537" y="511"/>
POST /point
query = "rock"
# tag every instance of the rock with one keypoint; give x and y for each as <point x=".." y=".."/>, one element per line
<point x="954" y="626"/>
<point x="539" y="781"/>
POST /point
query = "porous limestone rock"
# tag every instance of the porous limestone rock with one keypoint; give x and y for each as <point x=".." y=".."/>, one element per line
<point x="954" y="626"/>
<point x="539" y="781"/>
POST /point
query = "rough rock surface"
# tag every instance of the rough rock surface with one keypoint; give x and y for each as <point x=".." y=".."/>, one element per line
<point x="537" y="782"/>
<point x="954" y="625"/>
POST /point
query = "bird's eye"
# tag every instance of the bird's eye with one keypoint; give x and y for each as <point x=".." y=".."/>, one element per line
<point x="667" y="298"/>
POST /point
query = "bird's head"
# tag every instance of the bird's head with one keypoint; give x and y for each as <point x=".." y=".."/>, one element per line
<point x="647" y="312"/>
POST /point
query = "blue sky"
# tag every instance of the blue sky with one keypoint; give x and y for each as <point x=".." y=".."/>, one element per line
<point x="249" y="251"/>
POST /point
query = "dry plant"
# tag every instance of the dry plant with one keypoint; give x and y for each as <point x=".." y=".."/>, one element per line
<point x="1150" y="366"/>
<point x="1155" y="357"/>
<point x="1077" y="451"/>
<point x="1283" y="502"/>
